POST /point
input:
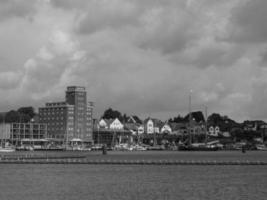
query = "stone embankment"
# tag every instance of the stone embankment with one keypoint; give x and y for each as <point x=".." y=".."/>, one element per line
<point x="80" y="160"/>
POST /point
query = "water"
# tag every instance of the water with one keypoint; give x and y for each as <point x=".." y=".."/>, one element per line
<point x="69" y="182"/>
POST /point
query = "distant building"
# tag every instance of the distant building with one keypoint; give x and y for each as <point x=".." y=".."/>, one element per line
<point x="255" y="125"/>
<point x="16" y="132"/>
<point x="135" y="125"/>
<point x="116" y="124"/>
<point x="110" y="132"/>
<point x="59" y="117"/>
<point x="166" y="128"/>
<point x="214" y="131"/>
<point x="141" y="130"/>
<point x="179" y="128"/>
<point x="102" y="124"/>
<point x="110" y="124"/>
<point x="71" y="119"/>
<point x="152" y="125"/>
<point x="149" y="126"/>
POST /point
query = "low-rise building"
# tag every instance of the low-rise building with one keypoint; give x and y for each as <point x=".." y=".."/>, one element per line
<point x="152" y="126"/>
<point x="166" y="129"/>
<point x="16" y="132"/>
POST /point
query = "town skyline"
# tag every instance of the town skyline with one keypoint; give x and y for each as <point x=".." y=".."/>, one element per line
<point x="137" y="57"/>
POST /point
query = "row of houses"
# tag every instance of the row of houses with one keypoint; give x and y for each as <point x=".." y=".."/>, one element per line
<point x="155" y="126"/>
<point x="149" y="126"/>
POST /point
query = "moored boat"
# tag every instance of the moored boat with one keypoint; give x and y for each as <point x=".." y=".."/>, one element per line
<point x="198" y="147"/>
<point x="7" y="149"/>
<point x="261" y="147"/>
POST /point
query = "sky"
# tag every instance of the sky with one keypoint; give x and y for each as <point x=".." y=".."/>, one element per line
<point x="141" y="57"/>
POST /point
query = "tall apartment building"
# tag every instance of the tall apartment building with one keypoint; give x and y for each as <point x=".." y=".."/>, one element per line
<point x="59" y="117"/>
<point x="71" y="119"/>
<point x="76" y="96"/>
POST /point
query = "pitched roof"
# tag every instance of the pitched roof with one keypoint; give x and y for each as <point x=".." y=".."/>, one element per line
<point x="137" y="119"/>
<point x="177" y="126"/>
<point x="131" y="126"/>
<point x="156" y="122"/>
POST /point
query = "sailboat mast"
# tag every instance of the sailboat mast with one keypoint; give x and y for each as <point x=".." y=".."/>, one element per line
<point x="190" y="118"/>
<point x="2" y="136"/>
<point x="206" y="125"/>
<point x="4" y="130"/>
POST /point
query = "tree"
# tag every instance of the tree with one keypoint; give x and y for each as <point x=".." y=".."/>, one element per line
<point x="12" y="116"/>
<point x="215" y="119"/>
<point x="22" y="115"/>
<point x="27" y="111"/>
<point x="124" y="118"/>
<point x="177" y="119"/>
<point x="224" y="122"/>
<point x="197" y="116"/>
<point x="112" y="114"/>
<point x="237" y="134"/>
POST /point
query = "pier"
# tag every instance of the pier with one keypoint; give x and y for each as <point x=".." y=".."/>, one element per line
<point x="81" y="160"/>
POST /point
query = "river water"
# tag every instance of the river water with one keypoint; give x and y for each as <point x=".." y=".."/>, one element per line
<point x="58" y="182"/>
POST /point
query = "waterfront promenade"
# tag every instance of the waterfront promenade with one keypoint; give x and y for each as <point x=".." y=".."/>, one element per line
<point x="137" y="158"/>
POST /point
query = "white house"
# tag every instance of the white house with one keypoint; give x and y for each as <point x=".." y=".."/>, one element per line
<point x="156" y="130"/>
<point x="214" y="131"/>
<point x="166" y="129"/>
<point x="116" y="124"/>
<point x="103" y="124"/>
<point x="150" y="127"/>
<point x="141" y="129"/>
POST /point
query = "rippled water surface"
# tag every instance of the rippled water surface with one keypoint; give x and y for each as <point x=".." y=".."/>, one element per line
<point x="132" y="182"/>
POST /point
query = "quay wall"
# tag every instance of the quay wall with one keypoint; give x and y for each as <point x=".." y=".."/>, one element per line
<point x="125" y="162"/>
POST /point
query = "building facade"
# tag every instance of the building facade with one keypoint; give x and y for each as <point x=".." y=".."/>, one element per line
<point x="16" y="132"/>
<point x="71" y="119"/>
<point x="59" y="117"/>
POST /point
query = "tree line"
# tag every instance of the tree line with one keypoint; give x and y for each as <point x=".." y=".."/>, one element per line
<point x="22" y="115"/>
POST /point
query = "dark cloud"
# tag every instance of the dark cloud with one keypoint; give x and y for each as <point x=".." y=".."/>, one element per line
<point x="220" y="55"/>
<point x="94" y="21"/>
<point x="249" y="22"/>
<point x="259" y="97"/>
<point x="16" y="8"/>
<point x="70" y="4"/>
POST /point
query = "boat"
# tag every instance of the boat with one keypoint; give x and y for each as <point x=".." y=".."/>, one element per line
<point x="7" y="149"/>
<point x="24" y="148"/>
<point x="261" y="147"/>
<point x="198" y="147"/>
<point x="201" y="148"/>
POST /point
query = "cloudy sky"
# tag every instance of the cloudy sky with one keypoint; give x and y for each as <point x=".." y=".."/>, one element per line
<point x="139" y="57"/>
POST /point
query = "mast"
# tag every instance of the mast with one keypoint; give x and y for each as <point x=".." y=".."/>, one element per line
<point x="97" y="133"/>
<point x="190" y="119"/>
<point x="206" y="125"/>
<point x="154" y="138"/>
<point x="4" y="133"/>
<point x="2" y="136"/>
<point x="67" y="135"/>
